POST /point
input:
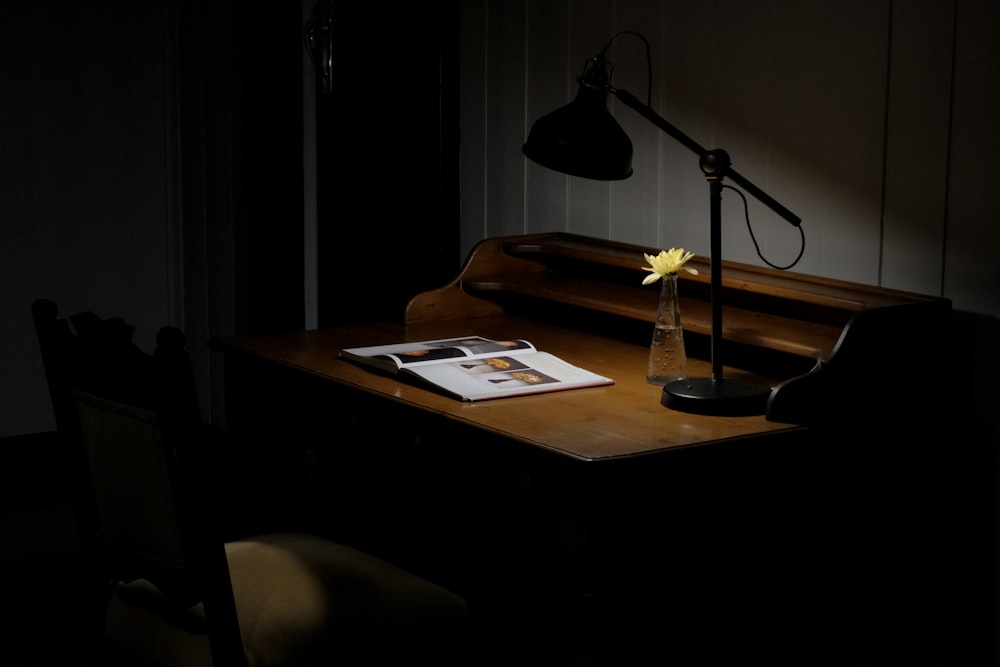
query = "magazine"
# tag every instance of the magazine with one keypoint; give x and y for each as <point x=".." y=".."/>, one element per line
<point x="472" y="368"/>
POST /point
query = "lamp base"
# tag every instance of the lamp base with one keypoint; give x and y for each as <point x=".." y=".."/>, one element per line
<point x="708" y="396"/>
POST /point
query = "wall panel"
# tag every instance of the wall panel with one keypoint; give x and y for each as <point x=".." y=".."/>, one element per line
<point x="919" y="124"/>
<point x="85" y="142"/>
<point x="505" y="125"/>
<point x="472" y="110"/>
<point x="972" y="235"/>
<point x="591" y="24"/>
<point x="549" y="84"/>
<point x="635" y="205"/>
<point x="688" y="69"/>
<point x="839" y="110"/>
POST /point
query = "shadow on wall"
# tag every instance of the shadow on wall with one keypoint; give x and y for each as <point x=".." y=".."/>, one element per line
<point x="975" y="371"/>
<point x="975" y="379"/>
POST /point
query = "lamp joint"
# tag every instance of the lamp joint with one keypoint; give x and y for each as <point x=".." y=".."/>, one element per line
<point x="715" y="164"/>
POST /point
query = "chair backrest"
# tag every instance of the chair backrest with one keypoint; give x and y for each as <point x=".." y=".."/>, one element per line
<point x="132" y="399"/>
<point x="147" y="470"/>
<point x="99" y="354"/>
<point x="135" y="476"/>
<point x="58" y="346"/>
<point x="125" y="416"/>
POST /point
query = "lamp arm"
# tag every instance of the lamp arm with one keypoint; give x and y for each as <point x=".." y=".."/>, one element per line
<point x="644" y="110"/>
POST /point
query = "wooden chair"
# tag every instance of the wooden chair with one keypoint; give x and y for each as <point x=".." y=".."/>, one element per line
<point x="178" y="595"/>
<point x="174" y="586"/>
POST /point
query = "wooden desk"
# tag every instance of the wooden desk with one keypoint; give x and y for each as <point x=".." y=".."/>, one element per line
<point x="531" y="506"/>
<point x="597" y="503"/>
<point x="587" y="425"/>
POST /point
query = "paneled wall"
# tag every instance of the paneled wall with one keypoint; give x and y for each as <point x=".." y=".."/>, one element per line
<point x="88" y="189"/>
<point x="869" y="119"/>
<point x="136" y="181"/>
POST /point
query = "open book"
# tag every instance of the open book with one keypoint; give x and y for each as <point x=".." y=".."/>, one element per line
<point x="472" y="368"/>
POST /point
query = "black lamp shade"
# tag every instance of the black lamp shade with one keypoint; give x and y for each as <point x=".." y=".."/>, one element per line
<point x="582" y="139"/>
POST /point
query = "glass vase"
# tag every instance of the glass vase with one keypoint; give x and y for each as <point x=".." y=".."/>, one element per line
<point x="667" y="359"/>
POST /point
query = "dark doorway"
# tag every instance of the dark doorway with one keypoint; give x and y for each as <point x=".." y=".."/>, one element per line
<point x="387" y="159"/>
<point x="239" y="92"/>
<point x="387" y="138"/>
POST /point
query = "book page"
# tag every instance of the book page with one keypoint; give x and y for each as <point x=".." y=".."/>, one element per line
<point x="406" y="355"/>
<point x="499" y="375"/>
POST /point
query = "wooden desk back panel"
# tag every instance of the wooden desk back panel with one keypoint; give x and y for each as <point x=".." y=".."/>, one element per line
<point x="771" y="318"/>
<point x="851" y="346"/>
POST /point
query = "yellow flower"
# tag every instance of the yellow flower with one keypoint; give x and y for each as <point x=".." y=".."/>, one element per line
<point x="666" y="263"/>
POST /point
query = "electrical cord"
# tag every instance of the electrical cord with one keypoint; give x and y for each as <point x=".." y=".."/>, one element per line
<point x="746" y="213"/>
<point x="649" y="60"/>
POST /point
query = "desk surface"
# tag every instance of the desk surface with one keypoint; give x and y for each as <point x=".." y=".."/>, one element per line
<point x="592" y="424"/>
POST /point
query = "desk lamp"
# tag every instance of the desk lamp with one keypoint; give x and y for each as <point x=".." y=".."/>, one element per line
<point x="583" y="139"/>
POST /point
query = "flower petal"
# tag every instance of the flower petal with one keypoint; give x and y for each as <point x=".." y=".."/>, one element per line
<point x="667" y="262"/>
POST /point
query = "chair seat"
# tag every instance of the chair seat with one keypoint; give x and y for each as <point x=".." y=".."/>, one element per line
<point x="299" y="598"/>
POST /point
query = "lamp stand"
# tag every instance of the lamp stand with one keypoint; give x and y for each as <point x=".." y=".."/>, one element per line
<point x="716" y="395"/>
<point x="556" y="141"/>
